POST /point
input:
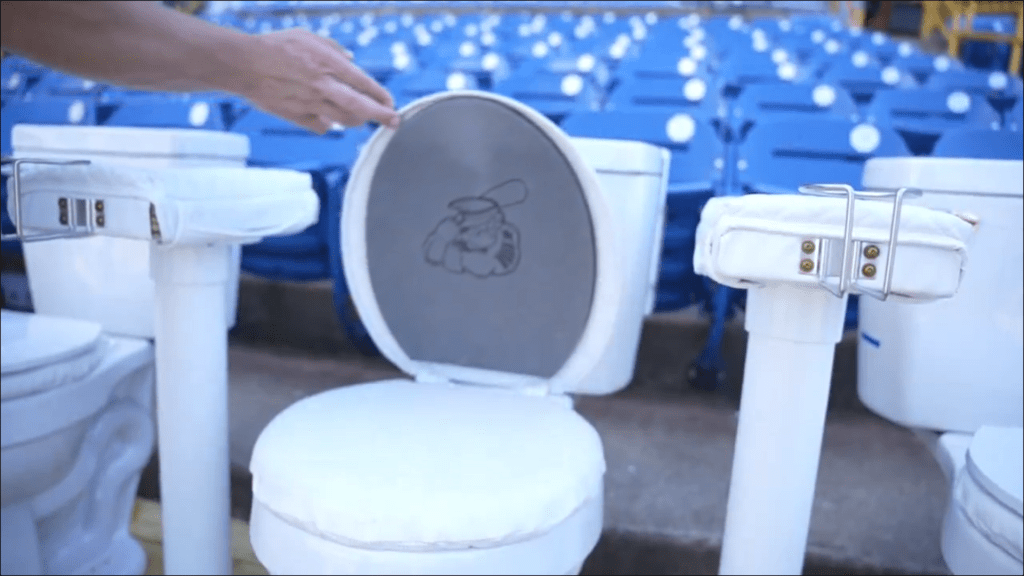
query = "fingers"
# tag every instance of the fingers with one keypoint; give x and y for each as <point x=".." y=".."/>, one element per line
<point x="351" y="107"/>
<point x="349" y="73"/>
<point x="313" y="122"/>
<point x="335" y="45"/>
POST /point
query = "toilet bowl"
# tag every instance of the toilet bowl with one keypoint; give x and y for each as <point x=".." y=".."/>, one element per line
<point x="76" y="432"/>
<point x="952" y="372"/>
<point x="78" y="375"/>
<point x="504" y="267"/>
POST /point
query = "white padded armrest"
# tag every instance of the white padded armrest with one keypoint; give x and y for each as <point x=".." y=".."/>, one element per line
<point x="757" y="239"/>
<point x="191" y="205"/>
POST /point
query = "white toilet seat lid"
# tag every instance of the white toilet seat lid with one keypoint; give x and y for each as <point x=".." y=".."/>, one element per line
<point x="39" y="353"/>
<point x="478" y="248"/>
<point x="400" y="465"/>
<point x="996" y="460"/>
<point x="988" y="489"/>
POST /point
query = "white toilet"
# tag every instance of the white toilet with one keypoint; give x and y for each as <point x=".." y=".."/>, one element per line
<point x="952" y="371"/>
<point x="503" y="266"/>
<point x="78" y="375"/>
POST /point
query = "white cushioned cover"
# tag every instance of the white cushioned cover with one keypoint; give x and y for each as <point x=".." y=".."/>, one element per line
<point x="988" y="488"/>
<point x="402" y="465"/>
<point x="40" y="353"/>
<point x="192" y="205"/>
<point x="755" y="238"/>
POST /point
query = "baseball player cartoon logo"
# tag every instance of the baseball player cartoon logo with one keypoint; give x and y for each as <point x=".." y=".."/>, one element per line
<point x="477" y="239"/>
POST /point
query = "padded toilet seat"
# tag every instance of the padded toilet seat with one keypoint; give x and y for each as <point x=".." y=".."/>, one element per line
<point x="482" y="258"/>
<point x="983" y="532"/>
<point x="40" y="353"/>
<point x="403" y="466"/>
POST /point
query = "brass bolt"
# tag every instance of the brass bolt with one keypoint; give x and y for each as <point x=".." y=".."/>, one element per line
<point x="63" y="219"/>
<point x="807" y="247"/>
<point x="63" y="202"/>
<point x="806" y="265"/>
<point x="869" y="270"/>
<point x="871" y="252"/>
<point x="99" y="205"/>
<point x="100" y="220"/>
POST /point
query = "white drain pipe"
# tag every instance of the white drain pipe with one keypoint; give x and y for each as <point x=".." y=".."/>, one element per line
<point x="793" y="331"/>
<point x="192" y="406"/>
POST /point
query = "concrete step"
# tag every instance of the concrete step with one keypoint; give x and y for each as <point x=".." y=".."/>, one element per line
<point x="880" y="496"/>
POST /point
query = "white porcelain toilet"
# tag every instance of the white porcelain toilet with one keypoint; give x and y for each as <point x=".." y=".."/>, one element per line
<point x="78" y="374"/>
<point x="952" y="371"/>
<point x="504" y="267"/>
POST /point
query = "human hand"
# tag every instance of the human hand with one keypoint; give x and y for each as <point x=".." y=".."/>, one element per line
<point x="312" y="81"/>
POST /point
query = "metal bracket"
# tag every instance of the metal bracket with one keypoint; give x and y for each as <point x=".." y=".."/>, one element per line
<point x="848" y="271"/>
<point x="77" y="216"/>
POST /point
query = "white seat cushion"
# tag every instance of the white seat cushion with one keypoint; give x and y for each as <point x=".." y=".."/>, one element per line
<point x="402" y="465"/>
<point x="41" y="353"/>
<point x="757" y="238"/>
<point x="988" y="488"/>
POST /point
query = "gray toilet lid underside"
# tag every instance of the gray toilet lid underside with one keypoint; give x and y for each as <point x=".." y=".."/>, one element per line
<point x="480" y="243"/>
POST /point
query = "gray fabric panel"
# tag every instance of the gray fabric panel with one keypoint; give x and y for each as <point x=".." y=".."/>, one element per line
<point x="480" y="242"/>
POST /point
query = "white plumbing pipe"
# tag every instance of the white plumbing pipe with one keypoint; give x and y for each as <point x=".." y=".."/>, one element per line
<point x="192" y="406"/>
<point x="793" y="331"/>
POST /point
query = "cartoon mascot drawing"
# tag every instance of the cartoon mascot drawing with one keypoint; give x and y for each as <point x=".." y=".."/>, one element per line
<point x="477" y="239"/>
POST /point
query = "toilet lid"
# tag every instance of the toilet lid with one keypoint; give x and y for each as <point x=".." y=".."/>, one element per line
<point x="996" y="460"/>
<point x="39" y="353"/>
<point x="477" y="247"/>
<point x="988" y="490"/>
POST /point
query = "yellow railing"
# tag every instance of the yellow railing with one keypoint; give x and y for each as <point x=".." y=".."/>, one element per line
<point x="955" y="21"/>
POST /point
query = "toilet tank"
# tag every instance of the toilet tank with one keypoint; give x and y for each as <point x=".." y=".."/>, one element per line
<point x="955" y="364"/>
<point x="105" y="279"/>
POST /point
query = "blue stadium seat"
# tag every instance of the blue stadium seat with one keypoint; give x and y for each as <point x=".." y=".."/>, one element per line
<point x="406" y="88"/>
<point x="863" y="81"/>
<point x="1015" y="118"/>
<point x="922" y="115"/>
<point x="775" y="102"/>
<point x="554" y="95"/>
<point x="696" y="96"/>
<point x="164" y="111"/>
<point x="980" y="143"/>
<point x="779" y="157"/>
<point x="1001" y="89"/>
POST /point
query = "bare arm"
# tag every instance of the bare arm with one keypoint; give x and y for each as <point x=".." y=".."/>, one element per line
<point x="294" y="74"/>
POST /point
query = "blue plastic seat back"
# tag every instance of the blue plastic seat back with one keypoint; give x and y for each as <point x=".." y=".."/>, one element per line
<point x="698" y="154"/>
<point x="779" y="157"/>
<point x="663" y="64"/>
<point x="1001" y="89"/>
<point x="863" y="82"/>
<point x="19" y="76"/>
<point x="62" y="110"/>
<point x="554" y="95"/>
<point x="164" y="111"/>
<point x="750" y="67"/>
<point x="406" y="88"/>
<point x="980" y="143"/>
<point x="54" y="83"/>
<point x="697" y="96"/>
<point x="1015" y="117"/>
<point x="277" y="142"/>
<point x="928" y="111"/>
<point x="777" y="102"/>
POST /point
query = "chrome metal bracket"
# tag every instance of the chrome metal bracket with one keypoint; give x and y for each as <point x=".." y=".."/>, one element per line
<point x="76" y="215"/>
<point x="848" y="269"/>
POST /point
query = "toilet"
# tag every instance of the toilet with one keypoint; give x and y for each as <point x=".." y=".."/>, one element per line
<point x="78" y="374"/>
<point x="504" y="267"/>
<point x="952" y="371"/>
